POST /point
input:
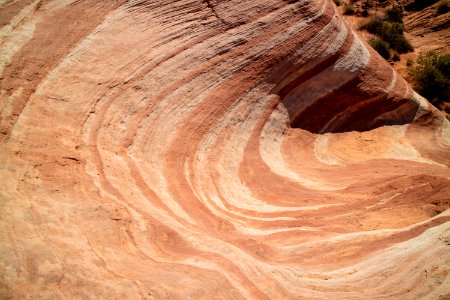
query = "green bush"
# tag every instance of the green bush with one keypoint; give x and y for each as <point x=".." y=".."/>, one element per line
<point x="373" y="25"/>
<point x="367" y="4"/>
<point x="409" y="62"/>
<point x="443" y="8"/>
<point x="381" y="47"/>
<point x="431" y="77"/>
<point x="395" y="56"/>
<point x="349" y="9"/>
<point x="392" y="33"/>
<point x="394" y="14"/>
<point x="389" y="32"/>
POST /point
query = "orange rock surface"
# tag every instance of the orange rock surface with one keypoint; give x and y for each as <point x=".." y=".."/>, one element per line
<point x="199" y="149"/>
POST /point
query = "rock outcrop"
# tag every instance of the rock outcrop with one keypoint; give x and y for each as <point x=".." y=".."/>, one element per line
<point x="213" y="149"/>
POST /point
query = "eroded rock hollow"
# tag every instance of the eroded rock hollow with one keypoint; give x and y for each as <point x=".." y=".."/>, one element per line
<point x="193" y="149"/>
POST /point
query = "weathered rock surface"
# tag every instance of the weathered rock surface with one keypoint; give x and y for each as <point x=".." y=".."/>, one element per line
<point x="213" y="149"/>
<point x="429" y="30"/>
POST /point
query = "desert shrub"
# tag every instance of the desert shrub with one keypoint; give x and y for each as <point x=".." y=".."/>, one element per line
<point x="394" y="14"/>
<point x="373" y="25"/>
<point x="431" y="77"/>
<point x="349" y="9"/>
<point x="395" y="56"/>
<point x="392" y="33"/>
<point x="443" y="8"/>
<point x="367" y="4"/>
<point x="381" y="47"/>
<point x="389" y="32"/>
<point x="409" y="62"/>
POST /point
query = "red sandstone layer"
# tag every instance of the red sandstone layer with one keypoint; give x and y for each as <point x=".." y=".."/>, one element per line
<point x="213" y="149"/>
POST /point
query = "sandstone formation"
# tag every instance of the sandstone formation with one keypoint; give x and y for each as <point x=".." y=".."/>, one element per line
<point x="194" y="149"/>
<point x="428" y="30"/>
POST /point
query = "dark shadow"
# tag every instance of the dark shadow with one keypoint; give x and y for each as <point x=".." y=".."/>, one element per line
<point x="347" y="108"/>
<point x="351" y="110"/>
<point x="417" y="5"/>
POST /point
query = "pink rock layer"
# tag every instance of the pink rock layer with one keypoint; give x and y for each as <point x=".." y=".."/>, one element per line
<point x="213" y="150"/>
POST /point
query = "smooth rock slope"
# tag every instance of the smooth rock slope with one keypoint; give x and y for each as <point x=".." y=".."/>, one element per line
<point x="197" y="149"/>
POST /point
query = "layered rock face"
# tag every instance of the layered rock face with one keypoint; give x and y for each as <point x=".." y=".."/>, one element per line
<point x="213" y="150"/>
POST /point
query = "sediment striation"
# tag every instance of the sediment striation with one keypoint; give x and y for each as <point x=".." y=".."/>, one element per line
<point x="213" y="149"/>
